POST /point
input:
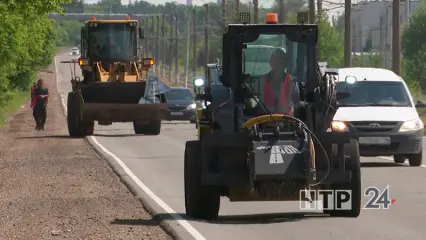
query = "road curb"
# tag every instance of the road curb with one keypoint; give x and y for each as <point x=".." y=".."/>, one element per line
<point x="171" y="226"/>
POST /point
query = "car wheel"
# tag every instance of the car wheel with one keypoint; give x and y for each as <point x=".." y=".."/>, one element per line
<point x="399" y="158"/>
<point x="415" y="160"/>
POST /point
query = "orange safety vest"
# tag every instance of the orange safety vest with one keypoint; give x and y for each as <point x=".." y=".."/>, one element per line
<point x="269" y="97"/>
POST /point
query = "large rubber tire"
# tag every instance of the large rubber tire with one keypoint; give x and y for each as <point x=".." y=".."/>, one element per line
<point x="90" y="128"/>
<point x="201" y="201"/>
<point x="353" y="164"/>
<point x="76" y="127"/>
<point x="415" y="160"/>
<point x="152" y="128"/>
<point x="399" y="158"/>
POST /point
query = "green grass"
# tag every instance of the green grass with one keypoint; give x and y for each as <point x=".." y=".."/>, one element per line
<point x="16" y="101"/>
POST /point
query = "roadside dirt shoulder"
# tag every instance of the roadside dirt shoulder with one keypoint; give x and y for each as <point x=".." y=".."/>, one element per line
<point x="55" y="187"/>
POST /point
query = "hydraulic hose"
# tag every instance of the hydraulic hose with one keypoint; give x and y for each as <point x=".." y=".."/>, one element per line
<point x="269" y="118"/>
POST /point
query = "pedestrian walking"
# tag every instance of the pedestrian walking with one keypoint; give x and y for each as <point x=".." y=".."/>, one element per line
<point x="41" y="95"/>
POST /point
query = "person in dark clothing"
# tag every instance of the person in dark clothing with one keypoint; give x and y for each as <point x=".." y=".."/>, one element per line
<point x="41" y="95"/>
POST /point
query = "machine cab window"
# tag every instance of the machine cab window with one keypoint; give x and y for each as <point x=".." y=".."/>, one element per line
<point x="112" y="41"/>
<point x="275" y="64"/>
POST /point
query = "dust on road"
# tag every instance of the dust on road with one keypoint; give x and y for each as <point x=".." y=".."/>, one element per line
<point x="55" y="187"/>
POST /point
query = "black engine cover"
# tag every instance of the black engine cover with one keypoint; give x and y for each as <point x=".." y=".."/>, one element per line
<point x="278" y="160"/>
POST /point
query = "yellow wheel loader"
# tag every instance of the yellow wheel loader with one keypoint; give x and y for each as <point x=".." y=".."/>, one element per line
<point x="116" y="85"/>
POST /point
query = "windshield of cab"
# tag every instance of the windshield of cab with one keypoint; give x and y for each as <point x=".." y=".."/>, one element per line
<point x="274" y="61"/>
<point x="374" y="93"/>
<point x="258" y="54"/>
<point x="114" y="41"/>
<point x="179" y="94"/>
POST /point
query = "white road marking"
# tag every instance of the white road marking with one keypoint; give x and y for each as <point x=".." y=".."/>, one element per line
<point x="185" y="224"/>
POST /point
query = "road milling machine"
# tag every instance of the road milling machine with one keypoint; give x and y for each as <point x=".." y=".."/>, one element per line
<point x="115" y="84"/>
<point x="252" y="148"/>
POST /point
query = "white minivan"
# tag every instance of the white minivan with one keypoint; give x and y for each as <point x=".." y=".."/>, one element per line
<point x="380" y="113"/>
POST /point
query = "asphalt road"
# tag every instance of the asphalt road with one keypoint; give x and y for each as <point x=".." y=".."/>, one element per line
<point x="157" y="161"/>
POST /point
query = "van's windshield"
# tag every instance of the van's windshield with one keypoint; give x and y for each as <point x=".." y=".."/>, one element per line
<point x="374" y="93"/>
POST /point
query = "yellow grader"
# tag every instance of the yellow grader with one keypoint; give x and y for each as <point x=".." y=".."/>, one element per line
<point x="116" y="85"/>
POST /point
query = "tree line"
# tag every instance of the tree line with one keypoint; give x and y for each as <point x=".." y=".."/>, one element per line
<point x="28" y="43"/>
<point x="330" y="43"/>
<point x="414" y="49"/>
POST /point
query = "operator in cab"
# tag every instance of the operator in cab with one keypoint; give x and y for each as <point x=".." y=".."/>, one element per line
<point x="41" y="95"/>
<point x="111" y="47"/>
<point x="278" y="90"/>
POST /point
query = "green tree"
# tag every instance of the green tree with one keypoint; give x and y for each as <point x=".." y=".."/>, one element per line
<point x="28" y="38"/>
<point x="414" y="48"/>
<point x="330" y="46"/>
<point x="414" y="35"/>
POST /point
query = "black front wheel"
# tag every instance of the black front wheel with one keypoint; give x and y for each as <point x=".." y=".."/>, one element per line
<point x="201" y="201"/>
<point x="352" y="164"/>
<point x="76" y="127"/>
<point x="415" y="160"/>
<point x="399" y="158"/>
<point x="152" y="127"/>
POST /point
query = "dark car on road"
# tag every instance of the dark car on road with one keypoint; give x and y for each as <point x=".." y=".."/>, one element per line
<point x="181" y="103"/>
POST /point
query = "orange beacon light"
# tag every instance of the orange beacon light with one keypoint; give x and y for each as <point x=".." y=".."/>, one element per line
<point x="271" y="18"/>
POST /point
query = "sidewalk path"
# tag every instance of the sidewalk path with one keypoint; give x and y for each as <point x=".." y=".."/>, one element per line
<point x="55" y="187"/>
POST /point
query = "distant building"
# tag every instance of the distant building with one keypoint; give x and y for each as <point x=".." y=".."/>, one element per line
<point x="372" y="25"/>
<point x="188" y="2"/>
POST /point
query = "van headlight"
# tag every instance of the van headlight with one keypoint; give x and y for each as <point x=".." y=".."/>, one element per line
<point x="192" y="106"/>
<point x="339" y="126"/>
<point x="411" y="125"/>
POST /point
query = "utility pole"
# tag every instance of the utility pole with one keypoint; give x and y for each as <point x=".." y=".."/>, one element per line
<point x="147" y="36"/>
<point x="396" y="38"/>
<point x="348" y="34"/>
<point x="382" y="45"/>
<point x="237" y="11"/>
<point x="170" y="53"/>
<point x="177" y="49"/>
<point x="281" y="16"/>
<point x="157" y="45"/>
<point x="255" y="11"/>
<point x="206" y="38"/>
<point x="386" y="39"/>
<point x="407" y="10"/>
<point x="319" y="8"/>
<point x="223" y="12"/>
<point x="311" y="11"/>
<point x="163" y="47"/>
<point x="187" y="52"/>
<point x="145" y="40"/>
<point x="194" y="44"/>
<point x="151" y="34"/>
